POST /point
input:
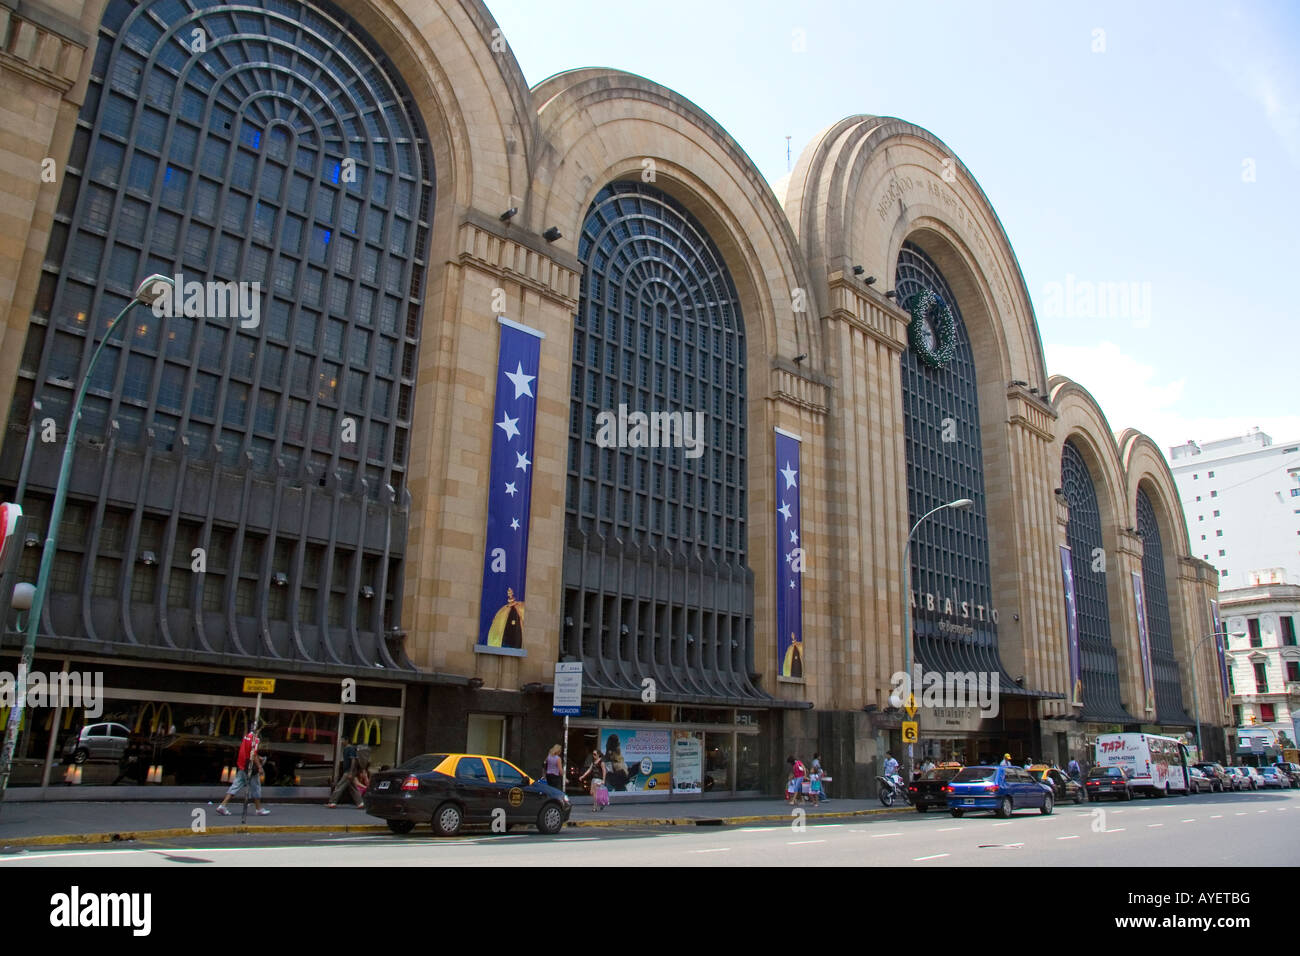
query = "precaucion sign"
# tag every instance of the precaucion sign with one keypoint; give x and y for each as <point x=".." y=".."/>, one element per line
<point x="567" y="699"/>
<point x="259" y="685"/>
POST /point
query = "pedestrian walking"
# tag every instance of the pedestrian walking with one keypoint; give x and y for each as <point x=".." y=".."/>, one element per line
<point x="248" y="764"/>
<point x="927" y="766"/>
<point x="794" y="788"/>
<point x="594" y="777"/>
<point x="553" y="768"/>
<point x="1006" y="760"/>
<point x="822" y="776"/>
<point x="1074" y="769"/>
<point x="354" y="780"/>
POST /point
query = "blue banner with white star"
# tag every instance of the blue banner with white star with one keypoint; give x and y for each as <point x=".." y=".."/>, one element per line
<point x="789" y="557"/>
<point x="510" y="492"/>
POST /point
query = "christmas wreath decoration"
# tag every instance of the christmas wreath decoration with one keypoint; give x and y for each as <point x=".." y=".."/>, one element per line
<point x="923" y="305"/>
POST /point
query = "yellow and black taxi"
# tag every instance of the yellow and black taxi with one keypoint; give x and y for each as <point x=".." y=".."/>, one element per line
<point x="449" y="791"/>
<point x="927" y="791"/>
<point x="1064" y="788"/>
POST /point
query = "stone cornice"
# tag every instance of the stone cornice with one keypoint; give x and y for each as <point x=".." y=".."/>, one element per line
<point x="1031" y="413"/>
<point x="864" y="309"/>
<point x="37" y="45"/>
<point x="515" y="256"/>
<point x="803" y="389"/>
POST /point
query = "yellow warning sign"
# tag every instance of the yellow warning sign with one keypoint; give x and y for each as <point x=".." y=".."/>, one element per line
<point x="911" y="705"/>
<point x="910" y="732"/>
<point x="259" y="685"/>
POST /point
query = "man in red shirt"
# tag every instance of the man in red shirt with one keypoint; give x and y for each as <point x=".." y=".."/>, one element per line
<point x="249" y="764"/>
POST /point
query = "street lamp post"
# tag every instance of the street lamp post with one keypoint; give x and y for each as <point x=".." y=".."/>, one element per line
<point x="1196" y="697"/>
<point x="148" y="292"/>
<point x="961" y="504"/>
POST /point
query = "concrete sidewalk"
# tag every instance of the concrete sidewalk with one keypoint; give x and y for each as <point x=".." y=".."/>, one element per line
<point x="61" y="822"/>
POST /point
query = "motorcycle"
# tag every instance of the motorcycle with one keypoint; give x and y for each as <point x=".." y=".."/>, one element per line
<point x="892" y="788"/>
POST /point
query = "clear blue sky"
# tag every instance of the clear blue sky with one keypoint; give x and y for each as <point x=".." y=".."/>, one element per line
<point x="1170" y="159"/>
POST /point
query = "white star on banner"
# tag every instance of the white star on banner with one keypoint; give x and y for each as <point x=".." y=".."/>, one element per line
<point x="507" y="425"/>
<point x="794" y="537"/>
<point x="784" y="511"/>
<point x="521" y="461"/>
<point x="788" y="474"/>
<point x="792" y="584"/>
<point x="511" y="490"/>
<point x="789" y="557"/>
<point x="514" y="524"/>
<point x="520" y="381"/>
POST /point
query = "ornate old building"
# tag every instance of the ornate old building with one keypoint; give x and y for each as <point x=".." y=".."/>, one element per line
<point x="525" y="376"/>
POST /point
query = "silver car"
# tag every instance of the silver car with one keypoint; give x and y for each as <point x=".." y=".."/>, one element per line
<point x="107" y="741"/>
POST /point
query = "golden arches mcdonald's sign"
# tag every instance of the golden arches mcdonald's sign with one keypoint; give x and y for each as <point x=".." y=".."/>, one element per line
<point x="151" y="715"/>
<point x="229" y="714"/>
<point x="361" y="732"/>
<point x="303" y="724"/>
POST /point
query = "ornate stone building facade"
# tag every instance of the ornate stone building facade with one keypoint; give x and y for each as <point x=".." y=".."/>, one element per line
<point x="385" y="174"/>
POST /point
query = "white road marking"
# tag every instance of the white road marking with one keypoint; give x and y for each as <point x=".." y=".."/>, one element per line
<point x="1215" y="816"/>
<point x="1193" y="820"/>
<point x="1116" y="830"/>
<point x="1075" y="837"/>
<point x="801" y="842"/>
<point x="877" y="836"/>
<point x="1241" y="813"/>
<point x="1150" y="825"/>
<point x="936" y="856"/>
<point x="1261" y="811"/>
<point x="1007" y="824"/>
<point x="721" y="849"/>
<point x="946" y="829"/>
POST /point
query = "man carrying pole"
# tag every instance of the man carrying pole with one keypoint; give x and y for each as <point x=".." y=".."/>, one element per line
<point x="249" y="767"/>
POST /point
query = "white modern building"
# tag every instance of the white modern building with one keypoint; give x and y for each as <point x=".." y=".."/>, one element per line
<point x="1241" y="496"/>
<point x="1264" y="663"/>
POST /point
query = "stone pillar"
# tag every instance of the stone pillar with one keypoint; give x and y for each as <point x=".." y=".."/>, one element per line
<point x="42" y="52"/>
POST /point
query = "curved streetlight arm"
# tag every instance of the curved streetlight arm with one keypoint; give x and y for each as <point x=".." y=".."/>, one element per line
<point x="961" y="504"/>
<point x="1196" y="695"/>
<point x="148" y="291"/>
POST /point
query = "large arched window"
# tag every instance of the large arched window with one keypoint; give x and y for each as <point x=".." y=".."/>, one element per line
<point x="656" y="579"/>
<point x="1169" y="692"/>
<point x="268" y="142"/>
<point x="1098" y="660"/>
<point x="950" y="553"/>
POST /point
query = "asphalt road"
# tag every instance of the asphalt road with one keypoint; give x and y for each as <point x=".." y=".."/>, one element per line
<point x="1245" y="829"/>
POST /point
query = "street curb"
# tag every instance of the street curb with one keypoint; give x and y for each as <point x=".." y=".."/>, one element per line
<point x="123" y="836"/>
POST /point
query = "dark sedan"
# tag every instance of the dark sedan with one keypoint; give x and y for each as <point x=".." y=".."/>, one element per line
<point x="928" y="792"/>
<point x="1107" y="782"/>
<point x="1064" y="788"/>
<point x="452" y="790"/>
<point x="1217" y="775"/>
<point x="1199" y="781"/>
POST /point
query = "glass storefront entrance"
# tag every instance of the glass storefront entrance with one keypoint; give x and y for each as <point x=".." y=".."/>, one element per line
<point x="667" y="752"/>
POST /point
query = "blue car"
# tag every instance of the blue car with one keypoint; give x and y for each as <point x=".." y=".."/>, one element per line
<point x="1003" y="790"/>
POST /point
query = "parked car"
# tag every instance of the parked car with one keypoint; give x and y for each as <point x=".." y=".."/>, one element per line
<point x="1064" y="789"/>
<point x="1003" y="790"/>
<point x="1108" y="782"/>
<point x="1291" y="770"/>
<point x="928" y="791"/>
<point x="1274" y="778"/>
<point x="1217" y="775"/>
<point x="106" y="741"/>
<point x="1199" y="782"/>
<point x="1249" y="777"/>
<point x="451" y="790"/>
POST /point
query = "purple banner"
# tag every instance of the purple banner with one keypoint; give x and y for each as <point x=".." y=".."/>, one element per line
<point x="1071" y="625"/>
<point x="510" y="492"/>
<point x="1220" y="642"/>
<point x="789" y="557"/>
<point x="1144" y="642"/>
